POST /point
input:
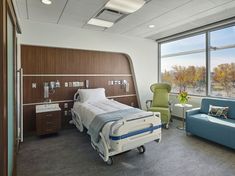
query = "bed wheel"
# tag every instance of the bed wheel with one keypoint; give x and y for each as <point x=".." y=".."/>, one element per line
<point x="141" y="149"/>
<point x="157" y="140"/>
<point x="110" y="161"/>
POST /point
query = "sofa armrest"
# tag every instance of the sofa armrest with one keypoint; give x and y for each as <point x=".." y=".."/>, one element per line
<point x="192" y="111"/>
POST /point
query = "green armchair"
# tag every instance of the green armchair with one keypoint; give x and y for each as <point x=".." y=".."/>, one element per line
<point x="160" y="102"/>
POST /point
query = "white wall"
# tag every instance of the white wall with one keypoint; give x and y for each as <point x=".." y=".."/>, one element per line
<point x="143" y="52"/>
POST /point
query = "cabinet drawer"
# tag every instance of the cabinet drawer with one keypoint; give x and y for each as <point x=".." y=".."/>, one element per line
<point x="48" y="122"/>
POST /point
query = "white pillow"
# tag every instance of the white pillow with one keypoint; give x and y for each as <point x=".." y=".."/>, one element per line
<point x="91" y="94"/>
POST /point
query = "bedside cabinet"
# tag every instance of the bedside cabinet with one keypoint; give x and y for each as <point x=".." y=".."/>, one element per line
<point x="48" y="119"/>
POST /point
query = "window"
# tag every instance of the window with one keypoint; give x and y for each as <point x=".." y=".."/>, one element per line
<point x="183" y="63"/>
<point x="222" y="54"/>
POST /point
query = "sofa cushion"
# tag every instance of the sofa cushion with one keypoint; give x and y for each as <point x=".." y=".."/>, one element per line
<point x="200" y="116"/>
<point x="206" y="102"/>
<point x="226" y="122"/>
<point x="219" y="121"/>
<point x="218" y="111"/>
<point x="215" y="129"/>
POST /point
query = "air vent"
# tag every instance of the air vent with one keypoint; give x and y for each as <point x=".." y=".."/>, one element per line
<point x="109" y="15"/>
<point x="115" y="10"/>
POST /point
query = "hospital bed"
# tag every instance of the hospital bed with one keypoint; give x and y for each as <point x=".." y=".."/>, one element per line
<point x="132" y="129"/>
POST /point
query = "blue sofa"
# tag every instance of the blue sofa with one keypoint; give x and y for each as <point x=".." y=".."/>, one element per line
<point x="219" y="130"/>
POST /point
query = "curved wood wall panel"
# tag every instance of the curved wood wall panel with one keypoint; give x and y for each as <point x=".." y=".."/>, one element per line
<point x="47" y="60"/>
<point x="45" y="64"/>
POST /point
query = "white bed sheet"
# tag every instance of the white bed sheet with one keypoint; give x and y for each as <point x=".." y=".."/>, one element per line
<point x="89" y="110"/>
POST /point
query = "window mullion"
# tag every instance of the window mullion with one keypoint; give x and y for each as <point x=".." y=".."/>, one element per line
<point x="184" y="53"/>
<point x="208" y="65"/>
<point x="159" y="64"/>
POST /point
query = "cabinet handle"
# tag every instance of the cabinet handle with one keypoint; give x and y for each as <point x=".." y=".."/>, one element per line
<point x="48" y="115"/>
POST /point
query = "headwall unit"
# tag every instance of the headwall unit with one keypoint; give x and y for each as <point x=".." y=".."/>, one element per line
<point x="64" y="71"/>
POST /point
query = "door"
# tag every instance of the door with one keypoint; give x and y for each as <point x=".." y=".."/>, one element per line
<point x="8" y="26"/>
<point x="10" y="93"/>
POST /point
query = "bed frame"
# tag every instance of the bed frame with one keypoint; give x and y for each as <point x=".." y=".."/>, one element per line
<point x="124" y="135"/>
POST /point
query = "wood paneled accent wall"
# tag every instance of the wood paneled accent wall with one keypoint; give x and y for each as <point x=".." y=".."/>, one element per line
<point x="45" y="64"/>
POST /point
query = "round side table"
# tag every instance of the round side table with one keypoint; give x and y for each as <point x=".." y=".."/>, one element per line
<point x="183" y="106"/>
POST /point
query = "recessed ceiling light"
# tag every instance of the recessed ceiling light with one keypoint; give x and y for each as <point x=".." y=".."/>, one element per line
<point x="125" y="6"/>
<point x="101" y="23"/>
<point x="47" y="2"/>
<point x="151" y="26"/>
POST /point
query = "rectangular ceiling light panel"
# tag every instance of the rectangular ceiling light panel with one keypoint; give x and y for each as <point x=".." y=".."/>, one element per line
<point x="125" y="6"/>
<point x="102" y="23"/>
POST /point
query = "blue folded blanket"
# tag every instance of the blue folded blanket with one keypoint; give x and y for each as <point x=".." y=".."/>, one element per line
<point x="100" y="120"/>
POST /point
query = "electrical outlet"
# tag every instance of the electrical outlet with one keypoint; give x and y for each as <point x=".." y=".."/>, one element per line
<point x="34" y="85"/>
<point x="76" y="84"/>
<point x="65" y="105"/>
<point x="117" y="82"/>
<point x="110" y="83"/>
<point x="81" y="84"/>
<point x="66" y="84"/>
<point x="70" y="84"/>
<point x="69" y="113"/>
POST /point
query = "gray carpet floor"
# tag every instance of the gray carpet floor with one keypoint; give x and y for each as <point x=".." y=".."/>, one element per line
<point x="70" y="154"/>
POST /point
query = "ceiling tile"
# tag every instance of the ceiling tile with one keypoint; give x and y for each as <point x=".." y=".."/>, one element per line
<point x="22" y="9"/>
<point x="92" y="27"/>
<point x="168" y="16"/>
<point x="45" y="13"/>
<point x="77" y="13"/>
<point x="153" y="9"/>
<point x="218" y="2"/>
<point x="177" y="15"/>
<point x="208" y="17"/>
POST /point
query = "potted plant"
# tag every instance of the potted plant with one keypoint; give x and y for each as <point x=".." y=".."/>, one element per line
<point x="183" y="97"/>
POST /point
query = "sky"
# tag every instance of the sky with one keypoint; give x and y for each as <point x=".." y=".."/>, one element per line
<point x="218" y="38"/>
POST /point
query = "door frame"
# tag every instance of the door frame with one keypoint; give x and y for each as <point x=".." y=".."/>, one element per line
<point x="12" y="15"/>
<point x="6" y="7"/>
<point x="3" y="87"/>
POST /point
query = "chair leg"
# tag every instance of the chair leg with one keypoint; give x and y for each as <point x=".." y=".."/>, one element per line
<point x="167" y="126"/>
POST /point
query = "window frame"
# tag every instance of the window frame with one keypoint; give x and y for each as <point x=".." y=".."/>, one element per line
<point x="192" y="33"/>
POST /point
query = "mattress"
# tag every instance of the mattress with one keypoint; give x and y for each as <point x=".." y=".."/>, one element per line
<point x="89" y="110"/>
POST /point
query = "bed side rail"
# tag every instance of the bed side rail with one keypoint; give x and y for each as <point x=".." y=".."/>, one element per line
<point x="77" y="120"/>
<point x="118" y="124"/>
